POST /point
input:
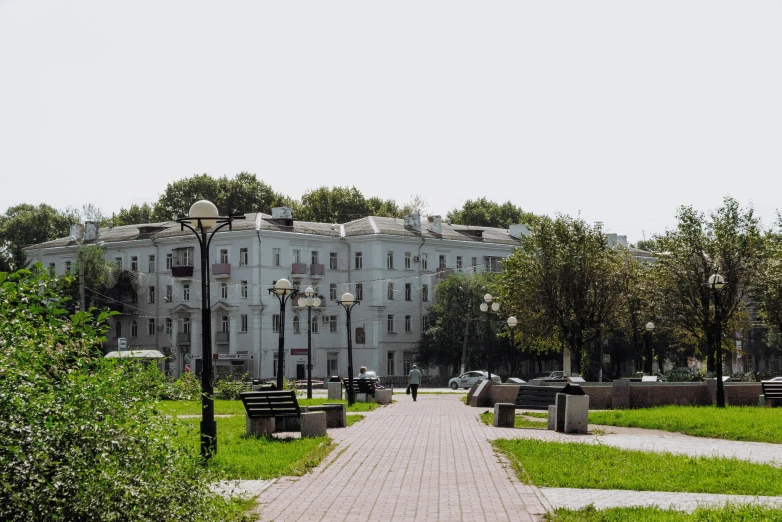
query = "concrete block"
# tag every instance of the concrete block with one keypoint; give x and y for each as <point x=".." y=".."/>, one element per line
<point x="559" y="404"/>
<point x="361" y="397"/>
<point x="620" y="395"/>
<point x="504" y="415"/>
<point x="576" y="413"/>
<point x="552" y="417"/>
<point x="313" y="424"/>
<point x="287" y="424"/>
<point x="257" y="427"/>
<point x="383" y="396"/>
<point x="336" y="414"/>
<point x="335" y="391"/>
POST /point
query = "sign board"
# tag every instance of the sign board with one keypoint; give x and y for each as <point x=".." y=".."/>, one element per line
<point x="606" y="358"/>
<point x="738" y="345"/>
<point x="122" y="344"/>
<point x="187" y="368"/>
<point x="231" y="356"/>
<point x="299" y="351"/>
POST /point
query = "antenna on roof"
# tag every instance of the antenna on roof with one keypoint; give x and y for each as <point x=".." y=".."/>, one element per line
<point x="258" y="221"/>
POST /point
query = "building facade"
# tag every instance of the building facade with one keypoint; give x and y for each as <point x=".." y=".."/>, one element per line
<point x="390" y="265"/>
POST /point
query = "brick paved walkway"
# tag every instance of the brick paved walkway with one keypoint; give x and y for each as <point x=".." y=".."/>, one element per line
<point x="431" y="460"/>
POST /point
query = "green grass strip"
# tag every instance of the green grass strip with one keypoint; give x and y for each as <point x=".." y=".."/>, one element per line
<point x="176" y="408"/>
<point x="745" y="423"/>
<point x="519" y="422"/>
<point x="729" y="513"/>
<point x="594" y="466"/>
<point x="250" y="458"/>
<point x="352" y="419"/>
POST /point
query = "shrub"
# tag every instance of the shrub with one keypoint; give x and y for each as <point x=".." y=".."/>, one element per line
<point x="81" y="438"/>
<point x="227" y="389"/>
<point x="681" y="376"/>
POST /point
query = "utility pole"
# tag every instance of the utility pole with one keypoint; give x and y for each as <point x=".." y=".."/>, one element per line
<point x="82" y="307"/>
<point x="464" y="343"/>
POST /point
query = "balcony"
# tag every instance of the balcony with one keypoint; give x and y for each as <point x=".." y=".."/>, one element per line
<point x="317" y="270"/>
<point x="221" y="338"/>
<point x="221" y="270"/>
<point x="183" y="338"/>
<point x="184" y="272"/>
<point x="298" y="269"/>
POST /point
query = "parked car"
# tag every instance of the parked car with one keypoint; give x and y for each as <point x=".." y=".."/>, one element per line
<point x="467" y="379"/>
<point x="553" y="375"/>
<point x="776" y="379"/>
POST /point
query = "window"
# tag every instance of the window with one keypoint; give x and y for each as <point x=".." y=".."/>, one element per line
<point x="333" y="291"/>
<point x="474" y="264"/>
<point x="361" y="336"/>
<point x="151" y="267"/>
<point x="182" y="257"/>
<point x="243" y="323"/>
<point x="134" y="263"/>
<point x="492" y="264"/>
<point x="276" y="363"/>
<point x="296" y="324"/>
<point x="390" y="325"/>
<point x="51" y="270"/>
<point x="169" y="261"/>
<point x="169" y="293"/>
<point x="276" y="256"/>
<point x="359" y="291"/>
<point x="333" y="260"/>
<point x="407" y="362"/>
<point x="458" y="262"/>
<point x="151" y="294"/>
<point x="134" y="329"/>
<point x="333" y="324"/>
<point x="425" y="293"/>
<point x="186" y="292"/>
<point x="424" y="323"/>
<point x="67" y="267"/>
<point x="223" y="290"/>
<point x="408" y="291"/>
<point x="332" y="363"/>
<point x="389" y="259"/>
<point x="407" y="259"/>
<point x="315" y="257"/>
<point x="244" y="289"/>
<point x="390" y="291"/>
<point x="424" y="262"/>
<point x="118" y="329"/>
<point x="314" y="325"/>
<point x="275" y="323"/>
<point x="243" y="257"/>
<point x="118" y="262"/>
<point x="224" y="324"/>
<point x="169" y="326"/>
<point x="186" y="325"/>
<point x="150" y="327"/>
<point x="408" y="323"/>
<point x="441" y="263"/>
<point x="359" y="261"/>
<point x="296" y="254"/>
<point x="390" y="364"/>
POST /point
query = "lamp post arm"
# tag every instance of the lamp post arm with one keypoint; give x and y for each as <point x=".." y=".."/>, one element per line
<point x="214" y="231"/>
<point x="196" y="232"/>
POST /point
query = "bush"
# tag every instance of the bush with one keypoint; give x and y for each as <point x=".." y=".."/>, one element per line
<point x="681" y="376"/>
<point x="227" y="389"/>
<point x="81" y="437"/>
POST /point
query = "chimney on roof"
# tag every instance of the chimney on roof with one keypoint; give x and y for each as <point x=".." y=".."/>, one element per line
<point x="90" y="230"/>
<point x="436" y="225"/>
<point x="77" y="231"/>
<point x="413" y="221"/>
<point x="516" y="231"/>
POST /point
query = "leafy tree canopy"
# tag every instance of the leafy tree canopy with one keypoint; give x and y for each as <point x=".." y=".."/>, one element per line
<point x="484" y="213"/>
<point x="341" y="204"/>
<point x="26" y="224"/>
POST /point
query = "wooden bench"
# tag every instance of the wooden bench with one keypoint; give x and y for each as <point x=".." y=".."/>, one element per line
<point x="268" y="411"/>
<point x="363" y="385"/>
<point x="772" y="392"/>
<point x="541" y="397"/>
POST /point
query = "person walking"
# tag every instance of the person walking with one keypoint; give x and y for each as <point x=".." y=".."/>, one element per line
<point x="413" y="380"/>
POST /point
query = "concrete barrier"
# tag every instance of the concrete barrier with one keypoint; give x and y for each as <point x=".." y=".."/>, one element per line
<point x="313" y="424"/>
<point x="383" y="396"/>
<point x="552" y="417"/>
<point x="504" y="415"/>
<point x="576" y="413"/>
<point x="258" y="427"/>
<point x="335" y="391"/>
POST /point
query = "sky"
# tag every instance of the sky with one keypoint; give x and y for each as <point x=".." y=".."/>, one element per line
<point x="616" y="111"/>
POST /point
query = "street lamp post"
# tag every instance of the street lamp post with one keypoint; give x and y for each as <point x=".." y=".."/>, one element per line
<point x="512" y="322"/>
<point x="348" y="302"/>
<point x="203" y="216"/>
<point x="649" y="352"/>
<point x="486" y="306"/>
<point x="283" y="291"/>
<point x="717" y="282"/>
<point x="309" y="300"/>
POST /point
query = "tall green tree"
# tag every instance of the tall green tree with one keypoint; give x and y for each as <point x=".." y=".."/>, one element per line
<point x="484" y="213"/>
<point x="339" y="205"/>
<point x="566" y="271"/>
<point x="241" y="194"/>
<point x="26" y="224"/>
<point x="134" y="215"/>
<point x="731" y="241"/>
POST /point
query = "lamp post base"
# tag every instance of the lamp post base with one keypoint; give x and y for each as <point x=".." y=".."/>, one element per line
<point x="208" y="439"/>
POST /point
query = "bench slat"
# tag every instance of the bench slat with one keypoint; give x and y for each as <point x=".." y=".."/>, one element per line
<point x="274" y="403"/>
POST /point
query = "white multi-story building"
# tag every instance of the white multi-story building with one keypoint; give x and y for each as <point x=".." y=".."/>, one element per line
<point x="390" y="265"/>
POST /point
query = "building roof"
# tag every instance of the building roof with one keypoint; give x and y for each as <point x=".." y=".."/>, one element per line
<point x="364" y="226"/>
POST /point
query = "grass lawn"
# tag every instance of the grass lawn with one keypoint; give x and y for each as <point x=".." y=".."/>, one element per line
<point x="352" y="419"/>
<point x="251" y="458"/>
<point x="519" y="422"/>
<point x="176" y="408"/>
<point x="574" y="465"/>
<point x="748" y="513"/>
<point x="747" y="423"/>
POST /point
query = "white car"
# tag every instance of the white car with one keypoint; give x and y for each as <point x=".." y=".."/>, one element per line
<point x="467" y="379"/>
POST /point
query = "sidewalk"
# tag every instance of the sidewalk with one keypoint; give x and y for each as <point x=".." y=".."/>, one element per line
<point x="431" y="460"/>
